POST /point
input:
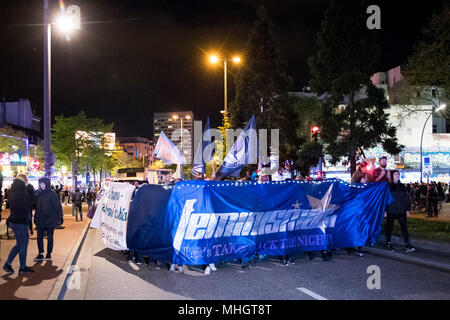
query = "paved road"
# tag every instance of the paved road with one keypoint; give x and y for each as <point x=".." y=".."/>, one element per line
<point x="105" y="274"/>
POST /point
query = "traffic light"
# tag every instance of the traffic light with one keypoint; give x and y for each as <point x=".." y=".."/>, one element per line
<point x="315" y="132"/>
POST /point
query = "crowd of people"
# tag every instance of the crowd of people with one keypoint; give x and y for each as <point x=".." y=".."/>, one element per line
<point x="46" y="203"/>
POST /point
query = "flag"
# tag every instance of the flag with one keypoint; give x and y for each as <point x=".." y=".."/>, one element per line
<point x="244" y="151"/>
<point x="199" y="165"/>
<point x="167" y="151"/>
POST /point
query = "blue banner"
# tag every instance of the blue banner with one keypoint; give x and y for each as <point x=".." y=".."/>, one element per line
<point x="201" y="222"/>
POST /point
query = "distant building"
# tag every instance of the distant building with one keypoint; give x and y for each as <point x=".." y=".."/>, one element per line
<point x="19" y="116"/>
<point x="137" y="147"/>
<point x="170" y="123"/>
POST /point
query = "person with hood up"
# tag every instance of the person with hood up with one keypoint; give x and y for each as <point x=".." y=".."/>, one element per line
<point x="47" y="217"/>
<point x="20" y="205"/>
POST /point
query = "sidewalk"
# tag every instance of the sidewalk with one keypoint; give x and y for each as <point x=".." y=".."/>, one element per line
<point x="39" y="284"/>
<point x="444" y="215"/>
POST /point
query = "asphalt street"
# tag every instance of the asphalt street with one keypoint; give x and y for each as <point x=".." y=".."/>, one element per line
<point x="102" y="273"/>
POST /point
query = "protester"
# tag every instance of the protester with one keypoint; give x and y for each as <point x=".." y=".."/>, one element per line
<point x="77" y="201"/>
<point x="381" y="174"/>
<point x="432" y="201"/>
<point x="48" y="216"/>
<point x="31" y="192"/>
<point x="20" y="205"/>
<point x="362" y="173"/>
<point x="398" y="209"/>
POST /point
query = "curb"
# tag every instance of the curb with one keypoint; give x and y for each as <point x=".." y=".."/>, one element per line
<point x="64" y="276"/>
<point x="439" y="247"/>
<point x="445" y="267"/>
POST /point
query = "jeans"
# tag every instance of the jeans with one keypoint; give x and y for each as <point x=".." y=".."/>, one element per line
<point x="40" y="239"/>
<point x="21" y="247"/>
<point x="390" y="224"/>
<point x="77" y="209"/>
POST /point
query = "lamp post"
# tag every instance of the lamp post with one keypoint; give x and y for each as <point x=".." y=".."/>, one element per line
<point x="441" y="107"/>
<point x="66" y="22"/>
<point x="213" y="59"/>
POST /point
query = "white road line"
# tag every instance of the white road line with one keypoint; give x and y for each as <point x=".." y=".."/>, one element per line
<point x="312" y="294"/>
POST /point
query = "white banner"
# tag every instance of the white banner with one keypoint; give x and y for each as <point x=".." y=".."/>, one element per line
<point x="112" y="215"/>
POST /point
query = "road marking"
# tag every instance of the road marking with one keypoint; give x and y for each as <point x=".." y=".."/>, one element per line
<point x="312" y="294"/>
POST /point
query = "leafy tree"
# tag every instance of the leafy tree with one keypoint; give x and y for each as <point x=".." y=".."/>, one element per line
<point x="262" y="85"/>
<point x="353" y="114"/>
<point x="11" y="140"/>
<point x="304" y="113"/>
<point x="429" y="64"/>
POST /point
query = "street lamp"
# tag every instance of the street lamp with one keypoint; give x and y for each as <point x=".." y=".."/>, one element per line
<point x="440" y="108"/>
<point x="69" y="20"/>
<point x="213" y="59"/>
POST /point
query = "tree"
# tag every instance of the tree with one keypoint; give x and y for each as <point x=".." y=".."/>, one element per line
<point x="12" y="140"/>
<point x="353" y="114"/>
<point x="427" y="70"/>
<point x="304" y="113"/>
<point x="83" y="140"/>
<point x="262" y="85"/>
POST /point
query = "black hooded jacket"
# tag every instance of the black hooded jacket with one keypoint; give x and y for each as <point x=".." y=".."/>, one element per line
<point x="20" y="203"/>
<point x="48" y="207"/>
<point x="401" y="203"/>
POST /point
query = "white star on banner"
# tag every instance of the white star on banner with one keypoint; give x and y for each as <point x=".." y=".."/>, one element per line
<point x="297" y="205"/>
<point x="323" y="206"/>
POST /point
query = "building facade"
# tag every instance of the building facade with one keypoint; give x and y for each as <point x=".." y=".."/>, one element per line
<point x="137" y="147"/>
<point x="170" y="123"/>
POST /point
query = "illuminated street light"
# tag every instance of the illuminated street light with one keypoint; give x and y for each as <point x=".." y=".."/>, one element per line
<point x="213" y="59"/>
<point x="65" y="23"/>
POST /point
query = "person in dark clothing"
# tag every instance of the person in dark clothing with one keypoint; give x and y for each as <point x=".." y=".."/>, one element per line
<point x="77" y="201"/>
<point x="48" y="216"/>
<point x="432" y="201"/>
<point x="398" y="209"/>
<point x="20" y="204"/>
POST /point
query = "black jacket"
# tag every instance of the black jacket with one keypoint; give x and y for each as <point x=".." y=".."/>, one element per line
<point x="20" y="203"/>
<point x="48" y="207"/>
<point x="401" y="203"/>
<point x="77" y="198"/>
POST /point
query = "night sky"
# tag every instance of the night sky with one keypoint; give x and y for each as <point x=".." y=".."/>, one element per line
<point x="134" y="58"/>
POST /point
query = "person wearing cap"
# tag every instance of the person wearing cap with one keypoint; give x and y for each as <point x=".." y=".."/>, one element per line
<point x="381" y="174"/>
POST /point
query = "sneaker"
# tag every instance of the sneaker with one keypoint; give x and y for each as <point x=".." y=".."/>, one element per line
<point x="7" y="267"/>
<point x="180" y="269"/>
<point x="25" y="270"/>
<point x="40" y="257"/>
<point x="207" y="271"/>
<point x="48" y="256"/>
<point x="284" y="263"/>
<point x="172" y="268"/>
<point x="291" y="261"/>
<point x="213" y="267"/>
<point x="359" y="253"/>
<point x="389" y="246"/>
<point x="409" y="248"/>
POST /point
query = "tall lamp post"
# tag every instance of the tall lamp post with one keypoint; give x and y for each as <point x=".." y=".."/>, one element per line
<point x="434" y="109"/>
<point x="69" y="20"/>
<point x="213" y="59"/>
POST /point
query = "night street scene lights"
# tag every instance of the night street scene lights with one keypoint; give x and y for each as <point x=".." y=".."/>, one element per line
<point x="66" y="22"/>
<point x="433" y="110"/>
<point x="213" y="59"/>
